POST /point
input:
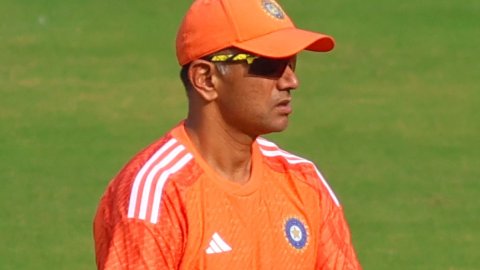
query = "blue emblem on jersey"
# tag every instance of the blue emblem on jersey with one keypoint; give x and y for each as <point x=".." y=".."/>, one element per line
<point x="273" y="9"/>
<point x="296" y="233"/>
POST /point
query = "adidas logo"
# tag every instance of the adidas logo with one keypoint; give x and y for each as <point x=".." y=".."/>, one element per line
<point x="217" y="245"/>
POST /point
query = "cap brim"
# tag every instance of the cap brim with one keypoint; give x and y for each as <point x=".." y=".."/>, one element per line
<point x="287" y="42"/>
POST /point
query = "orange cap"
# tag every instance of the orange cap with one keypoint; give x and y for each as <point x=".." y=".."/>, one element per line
<point x="257" y="26"/>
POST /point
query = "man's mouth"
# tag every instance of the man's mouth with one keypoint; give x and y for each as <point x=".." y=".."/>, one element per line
<point x="285" y="106"/>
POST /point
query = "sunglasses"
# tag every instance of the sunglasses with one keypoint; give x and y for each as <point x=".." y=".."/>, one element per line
<point x="258" y="66"/>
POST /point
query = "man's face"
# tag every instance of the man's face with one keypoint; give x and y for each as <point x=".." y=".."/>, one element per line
<point x="256" y="104"/>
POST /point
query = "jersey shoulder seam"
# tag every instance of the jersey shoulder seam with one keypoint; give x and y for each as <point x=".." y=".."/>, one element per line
<point x="169" y="159"/>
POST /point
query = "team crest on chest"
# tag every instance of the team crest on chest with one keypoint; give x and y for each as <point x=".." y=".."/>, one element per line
<point x="296" y="233"/>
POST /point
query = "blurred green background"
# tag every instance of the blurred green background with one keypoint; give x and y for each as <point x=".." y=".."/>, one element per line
<point x="391" y="117"/>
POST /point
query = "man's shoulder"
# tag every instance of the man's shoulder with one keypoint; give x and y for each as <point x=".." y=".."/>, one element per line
<point x="148" y="155"/>
<point x="280" y="157"/>
<point x="149" y="175"/>
<point x="285" y="162"/>
<point x="163" y="154"/>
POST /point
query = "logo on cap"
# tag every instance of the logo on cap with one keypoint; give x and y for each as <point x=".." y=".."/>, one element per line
<point x="296" y="233"/>
<point x="273" y="9"/>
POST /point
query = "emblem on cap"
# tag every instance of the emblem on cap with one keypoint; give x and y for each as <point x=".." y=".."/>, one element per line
<point x="273" y="9"/>
<point x="296" y="233"/>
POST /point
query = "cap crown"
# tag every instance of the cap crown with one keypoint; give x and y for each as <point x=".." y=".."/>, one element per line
<point x="212" y="25"/>
<point x="260" y="27"/>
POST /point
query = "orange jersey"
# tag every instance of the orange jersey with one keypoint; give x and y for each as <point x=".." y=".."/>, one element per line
<point x="167" y="209"/>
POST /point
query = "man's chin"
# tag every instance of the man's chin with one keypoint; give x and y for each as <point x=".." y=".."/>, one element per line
<point x="276" y="127"/>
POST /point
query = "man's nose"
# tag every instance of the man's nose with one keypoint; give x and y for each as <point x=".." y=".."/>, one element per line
<point x="288" y="80"/>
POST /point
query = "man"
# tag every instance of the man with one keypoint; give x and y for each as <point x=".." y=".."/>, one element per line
<point x="212" y="194"/>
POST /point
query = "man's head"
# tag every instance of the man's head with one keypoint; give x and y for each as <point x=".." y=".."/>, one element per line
<point x="239" y="56"/>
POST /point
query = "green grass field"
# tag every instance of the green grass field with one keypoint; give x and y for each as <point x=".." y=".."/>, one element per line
<point x="391" y="117"/>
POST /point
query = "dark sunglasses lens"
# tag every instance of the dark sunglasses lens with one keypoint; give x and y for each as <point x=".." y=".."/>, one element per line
<point x="268" y="67"/>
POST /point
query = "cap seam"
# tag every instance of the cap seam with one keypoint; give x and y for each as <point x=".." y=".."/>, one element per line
<point x="226" y="6"/>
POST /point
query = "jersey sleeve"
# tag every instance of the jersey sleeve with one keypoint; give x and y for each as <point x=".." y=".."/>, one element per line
<point x="335" y="249"/>
<point x="138" y="245"/>
<point x="131" y="243"/>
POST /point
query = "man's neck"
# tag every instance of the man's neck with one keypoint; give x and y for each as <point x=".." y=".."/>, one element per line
<point x="228" y="152"/>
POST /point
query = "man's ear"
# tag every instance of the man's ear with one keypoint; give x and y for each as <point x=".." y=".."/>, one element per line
<point x="201" y="74"/>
